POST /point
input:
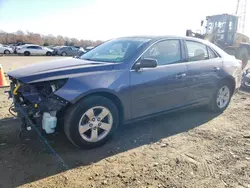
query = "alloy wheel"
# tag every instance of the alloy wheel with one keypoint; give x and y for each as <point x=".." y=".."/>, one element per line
<point x="95" y="124"/>
<point x="223" y="97"/>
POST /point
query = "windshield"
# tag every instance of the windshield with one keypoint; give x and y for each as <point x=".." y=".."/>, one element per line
<point x="116" y="50"/>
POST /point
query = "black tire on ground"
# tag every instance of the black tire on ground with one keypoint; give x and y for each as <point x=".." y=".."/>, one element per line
<point x="26" y="53"/>
<point x="74" y="113"/>
<point x="6" y="52"/>
<point x="64" y="54"/>
<point x="213" y="106"/>
<point x="243" y="56"/>
<point x="48" y="53"/>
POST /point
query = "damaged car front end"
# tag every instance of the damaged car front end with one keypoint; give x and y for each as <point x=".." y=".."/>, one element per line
<point x="36" y="103"/>
<point x="45" y="94"/>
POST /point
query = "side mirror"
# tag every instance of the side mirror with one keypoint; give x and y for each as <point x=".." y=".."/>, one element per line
<point x="146" y="63"/>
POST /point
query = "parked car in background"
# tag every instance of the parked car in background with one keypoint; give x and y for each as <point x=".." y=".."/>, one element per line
<point x="122" y="80"/>
<point x="5" y="49"/>
<point x="67" y="51"/>
<point x="32" y="49"/>
<point x="15" y="46"/>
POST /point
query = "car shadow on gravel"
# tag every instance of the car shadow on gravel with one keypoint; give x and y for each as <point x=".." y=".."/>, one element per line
<point x="27" y="160"/>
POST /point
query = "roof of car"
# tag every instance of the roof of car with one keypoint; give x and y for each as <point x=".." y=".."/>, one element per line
<point x="30" y="45"/>
<point x="156" y="38"/>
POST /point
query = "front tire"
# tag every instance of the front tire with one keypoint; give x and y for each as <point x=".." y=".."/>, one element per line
<point x="221" y="97"/>
<point x="48" y="54"/>
<point x="91" y="122"/>
<point x="64" y="53"/>
<point x="26" y="53"/>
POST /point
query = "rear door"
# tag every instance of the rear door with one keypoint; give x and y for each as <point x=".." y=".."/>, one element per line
<point x="38" y="50"/>
<point x="162" y="88"/>
<point x="203" y="74"/>
<point x="74" y="51"/>
<point x="32" y="50"/>
<point x="69" y="51"/>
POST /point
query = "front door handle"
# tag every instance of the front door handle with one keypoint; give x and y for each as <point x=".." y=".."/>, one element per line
<point x="181" y="75"/>
<point x="216" y="69"/>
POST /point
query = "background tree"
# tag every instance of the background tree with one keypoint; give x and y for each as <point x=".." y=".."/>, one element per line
<point x="46" y="40"/>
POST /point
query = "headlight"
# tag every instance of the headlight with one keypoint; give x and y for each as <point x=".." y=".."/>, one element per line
<point x="57" y="84"/>
<point x="49" y="87"/>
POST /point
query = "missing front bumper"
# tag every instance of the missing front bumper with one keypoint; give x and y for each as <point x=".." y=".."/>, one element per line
<point x="30" y="106"/>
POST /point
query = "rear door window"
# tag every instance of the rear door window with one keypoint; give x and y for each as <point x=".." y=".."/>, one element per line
<point x="196" y="51"/>
<point x="31" y="47"/>
<point x="211" y="53"/>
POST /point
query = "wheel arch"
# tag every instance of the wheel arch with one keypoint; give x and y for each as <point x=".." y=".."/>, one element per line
<point x="230" y="79"/>
<point x="6" y="50"/>
<point x="108" y="94"/>
<point x="64" y="52"/>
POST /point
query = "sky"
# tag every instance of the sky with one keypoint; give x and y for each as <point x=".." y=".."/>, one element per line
<point x="106" y="19"/>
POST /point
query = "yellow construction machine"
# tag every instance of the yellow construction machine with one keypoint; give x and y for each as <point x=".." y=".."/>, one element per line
<point x="222" y="31"/>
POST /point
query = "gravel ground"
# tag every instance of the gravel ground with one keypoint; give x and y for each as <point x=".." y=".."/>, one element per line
<point x="190" y="148"/>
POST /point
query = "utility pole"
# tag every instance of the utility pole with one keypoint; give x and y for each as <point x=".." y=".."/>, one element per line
<point x="237" y="7"/>
<point x="241" y="8"/>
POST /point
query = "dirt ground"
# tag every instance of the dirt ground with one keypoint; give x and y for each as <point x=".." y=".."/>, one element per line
<point x="190" y="148"/>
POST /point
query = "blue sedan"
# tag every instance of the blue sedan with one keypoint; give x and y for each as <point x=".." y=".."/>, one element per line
<point x="123" y="80"/>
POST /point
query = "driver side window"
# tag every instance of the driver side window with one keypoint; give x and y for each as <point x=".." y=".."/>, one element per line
<point x="165" y="52"/>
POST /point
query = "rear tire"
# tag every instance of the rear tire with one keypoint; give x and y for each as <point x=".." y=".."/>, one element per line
<point x="220" y="101"/>
<point x="64" y="54"/>
<point x="6" y="52"/>
<point x="26" y="53"/>
<point x="79" y="127"/>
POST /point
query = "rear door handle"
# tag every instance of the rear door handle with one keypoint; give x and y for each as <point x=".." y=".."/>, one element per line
<point x="181" y="75"/>
<point x="216" y="69"/>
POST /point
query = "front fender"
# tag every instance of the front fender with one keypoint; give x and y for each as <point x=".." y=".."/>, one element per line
<point x="94" y="91"/>
<point x="79" y="85"/>
<point x="115" y="82"/>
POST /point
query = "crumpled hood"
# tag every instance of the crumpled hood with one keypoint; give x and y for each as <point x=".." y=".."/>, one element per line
<point x="58" y="69"/>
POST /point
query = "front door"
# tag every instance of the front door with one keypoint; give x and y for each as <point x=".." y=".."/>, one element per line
<point x="161" y="88"/>
<point x="203" y="73"/>
<point x="32" y="50"/>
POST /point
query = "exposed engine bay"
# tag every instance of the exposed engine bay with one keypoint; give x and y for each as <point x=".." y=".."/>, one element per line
<point x="37" y="103"/>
